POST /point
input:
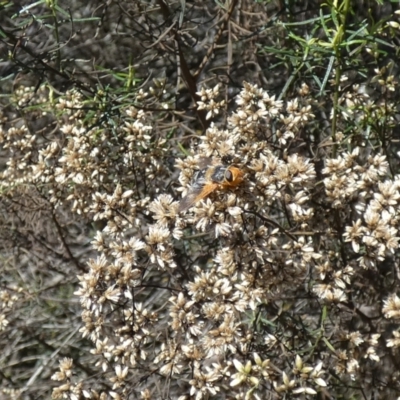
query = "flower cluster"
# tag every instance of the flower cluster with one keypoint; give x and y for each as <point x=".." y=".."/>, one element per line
<point x="256" y="286"/>
<point x="235" y="255"/>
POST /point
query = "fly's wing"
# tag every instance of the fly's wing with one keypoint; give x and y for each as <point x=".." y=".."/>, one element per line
<point x="204" y="162"/>
<point x="197" y="193"/>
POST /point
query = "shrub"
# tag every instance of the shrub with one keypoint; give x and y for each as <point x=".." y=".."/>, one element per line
<point x="277" y="277"/>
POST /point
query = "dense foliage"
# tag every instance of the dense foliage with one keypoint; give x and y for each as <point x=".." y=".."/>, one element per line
<point x="283" y="284"/>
